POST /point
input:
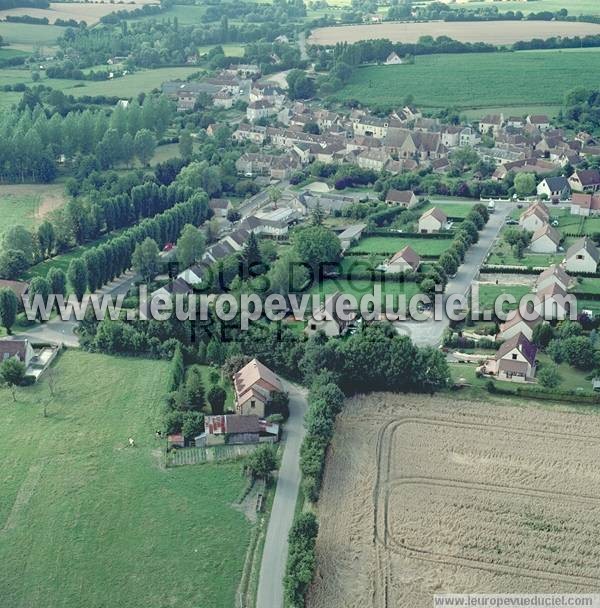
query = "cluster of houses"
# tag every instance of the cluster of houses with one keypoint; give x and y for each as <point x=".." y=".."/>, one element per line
<point x="515" y="360"/>
<point x="254" y="386"/>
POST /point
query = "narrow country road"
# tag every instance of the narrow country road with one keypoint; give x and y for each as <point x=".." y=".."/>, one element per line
<point x="272" y="570"/>
<point x="430" y="332"/>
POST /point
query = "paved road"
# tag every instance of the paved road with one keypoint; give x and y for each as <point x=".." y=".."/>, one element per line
<point x="254" y="203"/>
<point x="429" y="333"/>
<point x="57" y="331"/>
<point x="272" y="570"/>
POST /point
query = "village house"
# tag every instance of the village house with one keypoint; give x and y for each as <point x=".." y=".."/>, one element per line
<point x="393" y="59"/>
<point x="468" y="137"/>
<point x="405" y="260"/>
<point x="553" y="302"/>
<point x="220" y="207"/>
<point x="492" y="123"/>
<point x="554" y="188"/>
<point x="534" y="217"/>
<point x="585" y="204"/>
<point x="327" y="319"/>
<point x="223" y="99"/>
<point x="371" y="125"/>
<point x="194" y="275"/>
<point x="554" y="275"/>
<point x="233" y="429"/>
<point x="516" y="359"/>
<point x="515" y="122"/>
<point x="582" y="256"/>
<point x="433" y="220"/>
<point x="254" y="386"/>
<point x="351" y="235"/>
<point x="252" y="133"/>
<point x="19" y="349"/>
<point x="545" y="239"/>
<point x="540" y="121"/>
<point x="415" y="145"/>
<point x="538" y="166"/>
<point x="373" y="159"/>
<point x="401" y="198"/>
<point x="260" y="109"/>
<point x="515" y="324"/>
<point x="587" y="180"/>
<point x="177" y="287"/>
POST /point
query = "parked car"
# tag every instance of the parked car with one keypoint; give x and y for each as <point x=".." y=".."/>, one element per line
<point x="511" y="222"/>
<point x="168" y="247"/>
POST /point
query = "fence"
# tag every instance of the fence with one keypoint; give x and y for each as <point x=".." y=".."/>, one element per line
<point x="185" y="456"/>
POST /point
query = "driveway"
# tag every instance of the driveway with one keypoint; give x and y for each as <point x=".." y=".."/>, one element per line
<point x="272" y="570"/>
<point x="430" y="332"/>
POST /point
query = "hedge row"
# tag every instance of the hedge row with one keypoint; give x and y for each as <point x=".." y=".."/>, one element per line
<point x="412" y="235"/>
<point x="387" y="254"/>
<point x="487" y="269"/>
<point x="545" y="394"/>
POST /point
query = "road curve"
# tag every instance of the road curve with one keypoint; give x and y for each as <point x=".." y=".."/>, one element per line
<point x="272" y="569"/>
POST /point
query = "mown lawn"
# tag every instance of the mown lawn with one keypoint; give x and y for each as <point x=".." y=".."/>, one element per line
<point x="488" y="294"/>
<point x="458" y="209"/>
<point x="87" y="521"/>
<point x="360" y="288"/>
<point x="503" y="254"/>
<point x="391" y="244"/>
<point x="479" y="80"/>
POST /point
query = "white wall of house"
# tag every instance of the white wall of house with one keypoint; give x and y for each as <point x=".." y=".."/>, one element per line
<point x="581" y="262"/>
<point x="430" y="224"/>
<point x="543" y="244"/>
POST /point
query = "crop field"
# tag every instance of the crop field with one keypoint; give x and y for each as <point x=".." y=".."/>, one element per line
<point x="90" y="12"/>
<point x="230" y="50"/>
<point x="443" y="495"/>
<point x="480" y="80"/>
<point x="87" y="521"/>
<point x="392" y="244"/>
<point x="493" y="32"/>
<point x="28" y="204"/>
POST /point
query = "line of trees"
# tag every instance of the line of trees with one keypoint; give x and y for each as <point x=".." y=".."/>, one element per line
<point x="32" y="143"/>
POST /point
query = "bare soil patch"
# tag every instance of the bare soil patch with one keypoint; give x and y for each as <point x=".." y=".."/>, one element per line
<point x="494" y="32"/>
<point x="447" y="497"/>
<point x="90" y="12"/>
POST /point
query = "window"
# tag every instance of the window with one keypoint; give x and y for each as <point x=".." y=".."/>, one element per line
<point x="252" y="404"/>
<point x="514" y="357"/>
<point x="579" y="256"/>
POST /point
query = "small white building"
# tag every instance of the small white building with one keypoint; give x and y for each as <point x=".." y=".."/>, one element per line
<point x="582" y="256"/>
<point x="18" y="349"/>
<point x="433" y="220"/>
<point x="260" y="109"/>
<point x="554" y="303"/>
<point x="545" y="240"/>
<point x="393" y="59"/>
<point x="554" y="188"/>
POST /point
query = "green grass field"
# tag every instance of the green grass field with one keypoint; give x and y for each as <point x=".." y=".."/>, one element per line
<point x="87" y="521"/>
<point x="458" y="209"/>
<point x="502" y="253"/>
<point x="126" y="87"/>
<point x="392" y="244"/>
<point x="26" y="37"/>
<point x="359" y="288"/>
<point x="478" y="81"/>
<point x="27" y="203"/>
<point x="575" y="7"/>
<point x="231" y="50"/>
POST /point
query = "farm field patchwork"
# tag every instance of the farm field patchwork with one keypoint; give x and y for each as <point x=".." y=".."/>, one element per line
<point x="444" y="494"/>
<point x="575" y="7"/>
<point x="87" y="521"/>
<point x="519" y="79"/>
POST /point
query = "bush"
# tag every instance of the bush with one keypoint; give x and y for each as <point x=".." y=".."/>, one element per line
<point x="301" y="559"/>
